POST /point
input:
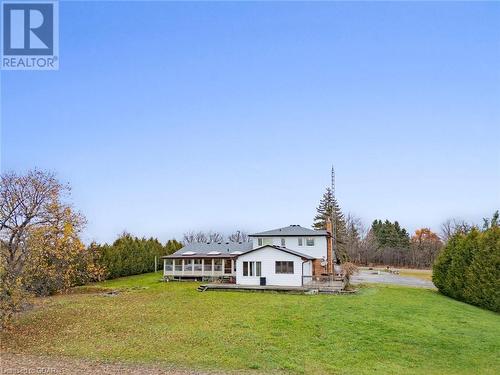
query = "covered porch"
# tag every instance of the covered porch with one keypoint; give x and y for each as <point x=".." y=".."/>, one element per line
<point x="198" y="267"/>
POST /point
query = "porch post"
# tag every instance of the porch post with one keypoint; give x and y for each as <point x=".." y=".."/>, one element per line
<point x="213" y="264"/>
<point x="182" y="267"/>
<point x="202" y="266"/>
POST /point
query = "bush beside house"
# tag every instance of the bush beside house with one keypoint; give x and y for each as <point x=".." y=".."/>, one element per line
<point x="468" y="268"/>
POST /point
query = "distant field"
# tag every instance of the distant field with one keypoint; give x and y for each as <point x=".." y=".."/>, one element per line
<point x="383" y="329"/>
<point x="419" y="274"/>
<point x="411" y="272"/>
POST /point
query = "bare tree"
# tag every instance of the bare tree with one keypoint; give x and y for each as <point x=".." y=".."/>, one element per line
<point x="452" y="226"/>
<point x="355" y="233"/>
<point x="239" y="236"/>
<point x="202" y="237"/>
<point x="215" y="237"/>
<point x="189" y="237"/>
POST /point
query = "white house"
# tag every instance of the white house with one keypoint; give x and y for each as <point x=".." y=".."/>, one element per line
<point x="278" y="265"/>
<point x="288" y="256"/>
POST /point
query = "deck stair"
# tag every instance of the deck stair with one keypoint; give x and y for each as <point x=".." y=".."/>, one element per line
<point x="202" y="288"/>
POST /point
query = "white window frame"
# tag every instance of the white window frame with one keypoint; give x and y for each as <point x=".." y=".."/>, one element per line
<point x="253" y="268"/>
<point x="310" y="241"/>
<point x="283" y="242"/>
<point x="169" y="265"/>
<point x="300" y="241"/>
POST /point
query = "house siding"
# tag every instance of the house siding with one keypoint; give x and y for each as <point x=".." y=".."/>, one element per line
<point x="319" y="250"/>
<point x="268" y="256"/>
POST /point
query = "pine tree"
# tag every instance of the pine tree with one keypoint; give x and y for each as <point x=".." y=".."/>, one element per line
<point x="327" y="205"/>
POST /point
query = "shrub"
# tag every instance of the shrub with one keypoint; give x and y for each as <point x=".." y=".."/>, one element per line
<point x="349" y="269"/>
<point x="468" y="268"/>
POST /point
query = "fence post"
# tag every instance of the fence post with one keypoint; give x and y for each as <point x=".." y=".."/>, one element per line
<point x="156" y="263"/>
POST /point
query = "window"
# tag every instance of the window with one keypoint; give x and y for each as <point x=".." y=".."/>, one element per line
<point x="197" y="265"/>
<point x="178" y="265"/>
<point x="188" y="265"/>
<point x="310" y="241"/>
<point x="207" y="267"/>
<point x="227" y="266"/>
<point x="284" y="267"/>
<point x="168" y="264"/>
<point x="300" y="241"/>
<point x="252" y="268"/>
<point x="264" y="241"/>
<point x="283" y="242"/>
<point x="258" y="267"/>
<point x="217" y="265"/>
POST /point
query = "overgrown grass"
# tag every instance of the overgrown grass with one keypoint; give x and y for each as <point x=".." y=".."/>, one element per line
<point x="383" y="329"/>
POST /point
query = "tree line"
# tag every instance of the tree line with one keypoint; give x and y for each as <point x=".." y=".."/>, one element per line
<point x="384" y="242"/>
<point x="214" y="237"/>
<point x="129" y="255"/>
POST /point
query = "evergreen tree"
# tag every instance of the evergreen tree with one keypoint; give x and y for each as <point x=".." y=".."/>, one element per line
<point x="390" y="235"/>
<point x="327" y="205"/>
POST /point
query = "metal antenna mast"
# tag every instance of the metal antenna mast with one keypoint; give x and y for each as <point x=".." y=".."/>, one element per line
<point x="334" y="218"/>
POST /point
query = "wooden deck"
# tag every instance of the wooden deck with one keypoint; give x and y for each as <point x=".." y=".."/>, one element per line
<point x="272" y="288"/>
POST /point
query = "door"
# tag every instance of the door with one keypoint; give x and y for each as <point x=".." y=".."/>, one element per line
<point x="228" y="266"/>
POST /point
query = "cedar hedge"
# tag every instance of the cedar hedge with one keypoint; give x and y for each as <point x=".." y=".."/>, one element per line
<point x="130" y="255"/>
<point x="468" y="268"/>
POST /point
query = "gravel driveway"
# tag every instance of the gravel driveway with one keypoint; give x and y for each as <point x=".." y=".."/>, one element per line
<point x="372" y="276"/>
<point x="31" y="364"/>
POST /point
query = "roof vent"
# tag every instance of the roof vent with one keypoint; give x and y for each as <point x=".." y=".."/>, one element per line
<point x="218" y="243"/>
<point x="189" y="253"/>
<point x="213" y="253"/>
<point x="236" y="253"/>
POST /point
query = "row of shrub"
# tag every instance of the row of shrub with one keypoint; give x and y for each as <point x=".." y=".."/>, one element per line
<point x="130" y="255"/>
<point x="468" y="267"/>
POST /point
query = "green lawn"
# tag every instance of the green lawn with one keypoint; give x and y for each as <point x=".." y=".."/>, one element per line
<point x="383" y="329"/>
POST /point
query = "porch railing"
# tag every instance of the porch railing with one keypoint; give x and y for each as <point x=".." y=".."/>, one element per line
<point x="322" y="281"/>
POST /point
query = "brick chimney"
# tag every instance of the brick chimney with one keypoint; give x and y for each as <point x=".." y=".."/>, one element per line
<point x="329" y="246"/>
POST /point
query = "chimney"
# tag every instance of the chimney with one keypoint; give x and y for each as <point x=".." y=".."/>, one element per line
<point x="329" y="246"/>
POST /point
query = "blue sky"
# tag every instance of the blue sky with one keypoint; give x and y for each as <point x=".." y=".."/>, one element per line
<point x="167" y="117"/>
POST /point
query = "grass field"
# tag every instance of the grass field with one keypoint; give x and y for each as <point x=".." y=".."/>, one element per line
<point x="383" y="329"/>
<point x="407" y="272"/>
<point x="419" y="274"/>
